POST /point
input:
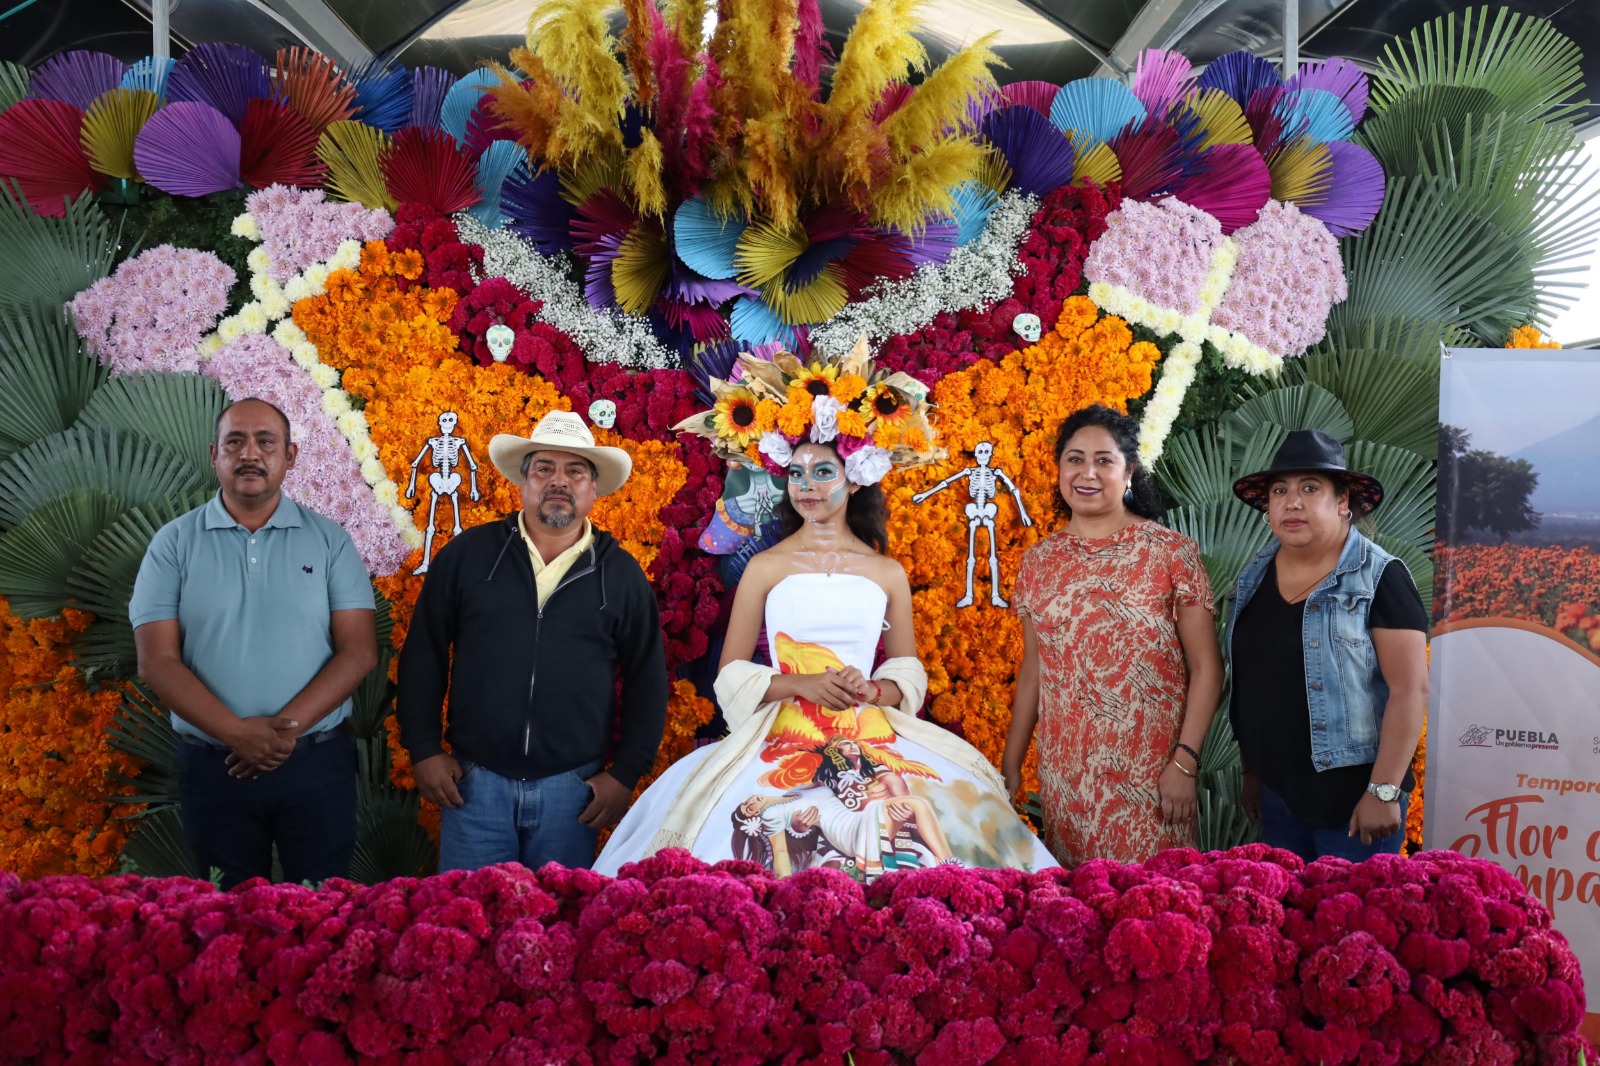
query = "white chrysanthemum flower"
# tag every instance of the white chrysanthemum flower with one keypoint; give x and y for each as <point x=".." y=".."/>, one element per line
<point x="230" y="329"/>
<point x="296" y="290"/>
<point x="316" y="276"/>
<point x="363" y="448"/>
<point x="245" y="226"/>
<point x="288" y="334"/>
<point x="258" y="261"/>
<point x="335" y="402"/>
<point x="325" y="376"/>
<point x="210" y="345"/>
<point x="385" y="491"/>
<point x="305" y="353"/>
<point x="253" y="318"/>
<point x="352" y="423"/>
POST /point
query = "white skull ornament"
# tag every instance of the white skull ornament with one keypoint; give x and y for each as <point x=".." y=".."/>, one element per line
<point x="1028" y="327"/>
<point x="500" y="337"/>
<point x="603" y="413"/>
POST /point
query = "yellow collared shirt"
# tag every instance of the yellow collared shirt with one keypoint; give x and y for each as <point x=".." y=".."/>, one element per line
<point x="546" y="576"/>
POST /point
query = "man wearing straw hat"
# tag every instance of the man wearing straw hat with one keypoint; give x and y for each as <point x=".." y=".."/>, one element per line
<point x="526" y="624"/>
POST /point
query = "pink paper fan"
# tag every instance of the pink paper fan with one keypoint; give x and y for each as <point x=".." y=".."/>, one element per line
<point x="1152" y="158"/>
<point x="1340" y="77"/>
<point x="189" y="149"/>
<point x="40" y="150"/>
<point x="78" y="78"/>
<point x="1038" y="95"/>
<point x="1234" y="186"/>
<point x="1354" y="194"/>
<point x="1161" y="79"/>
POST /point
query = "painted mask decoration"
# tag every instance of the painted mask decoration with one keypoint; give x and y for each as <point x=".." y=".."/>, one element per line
<point x="1028" y="327"/>
<point x="500" y="337"/>
<point x="603" y="413"/>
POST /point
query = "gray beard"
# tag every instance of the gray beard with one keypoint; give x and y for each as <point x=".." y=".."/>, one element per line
<point x="556" y="519"/>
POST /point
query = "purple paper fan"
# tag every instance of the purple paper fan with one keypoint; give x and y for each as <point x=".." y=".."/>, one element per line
<point x="429" y="87"/>
<point x="1038" y="95"/>
<point x="225" y="76"/>
<point x="935" y="243"/>
<point x="189" y="149"/>
<point x="1340" y="77"/>
<point x="1240" y="75"/>
<point x="597" y="277"/>
<point x="1355" y="191"/>
<point x="1232" y="188"/>
<point x="78" y="78"/>
<point x="1039" y="155"/>
<point x="1161" y="79"/>
<point x="537" y="211"/>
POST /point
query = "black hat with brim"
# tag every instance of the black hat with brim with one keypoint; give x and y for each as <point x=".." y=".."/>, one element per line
<point x="1311" y="451"/>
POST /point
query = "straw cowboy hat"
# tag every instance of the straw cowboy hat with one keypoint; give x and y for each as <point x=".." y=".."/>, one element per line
<point x="1311" y="451"/>
<point x="561" y="431"/>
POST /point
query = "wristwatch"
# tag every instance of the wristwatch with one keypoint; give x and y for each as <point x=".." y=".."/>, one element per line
<point x="1386" y="793"/>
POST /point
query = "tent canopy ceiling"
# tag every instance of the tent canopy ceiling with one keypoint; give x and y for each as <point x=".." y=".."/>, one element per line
<point x="1048" y="40"/>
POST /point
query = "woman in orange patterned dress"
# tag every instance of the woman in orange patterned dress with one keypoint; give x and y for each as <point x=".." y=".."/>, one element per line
<point x="1121" y="670"/>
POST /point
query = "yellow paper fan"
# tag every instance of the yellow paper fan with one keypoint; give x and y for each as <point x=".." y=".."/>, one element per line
<point x="994" y="172"/>
<point x="765" y="251"/>
<point x="1097" y="164"/>
<point x="1301" y="171"/>
<point x="110" y="126"/>
<point x="590" y="173"/>
<point x="1220" y="116"/>
<point x="639" y="270"/>
<point x="350" y="151"/>
<point x="816" y="301"/>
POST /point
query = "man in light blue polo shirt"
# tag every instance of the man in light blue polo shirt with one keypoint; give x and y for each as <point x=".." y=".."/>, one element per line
<point x="253" y="618"/>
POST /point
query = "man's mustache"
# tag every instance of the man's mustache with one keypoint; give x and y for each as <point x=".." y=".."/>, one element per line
<point x="554" y="494"/>
<point x="241" y="470"/>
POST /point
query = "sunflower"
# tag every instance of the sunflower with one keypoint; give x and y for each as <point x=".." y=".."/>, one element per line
<point x="736" y="418"/>
<point x="885" y="406"/>
<point x="816" y="379"/>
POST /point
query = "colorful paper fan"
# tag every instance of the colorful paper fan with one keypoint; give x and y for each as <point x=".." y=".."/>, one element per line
<point x="1354" y="193"/>
<point x="1098" y="164"/>
<point x="314" y="87"/>
<point x="599" y="216"/>
<point x="691" y="287"/>
<point x="110" y="127"/>
<point x="704" y="241"/>
<point x="753" y="322"/>
<point x="974" y="203"/>
<point x="1038" y="95"/>
<point x="277" y="145"/>
<point x="935" y="243"/>
<point x="1317" y="114"/>
<point x="1220" y="118"/>
<point x="1038" y="154"/>
<point x="463" y="99"/>
<point x="40" y="148"/>
<point x="701" y="324"/>
<point x="878" y="258"/>
<point x="1301" y="170"/>
<point x="895" y="95"/>
<point x="487" y="126"/>
<point x="765" y="252"/>
<point x="830" y="234"/>
<point x="1099" y="107"/>
<point x="640" y="268"/>
<point x="78" y="78"/>
<point x="597" y="287"/>
<point x="1267" y="127"/>
<point x="1161" y="79"/>
<point x="1340" y="77"/>
<point x="1232" y="188"/>
<point x="189" y="149"/>
<point x="352" y="151"/>
<point x="816" y="301"/>
<point x="713" y="361"/>
<point x="496" y="167"/>
<point x="1240" y="75"/>
<point x="535" y="209"/>
<point x="1155" y="158"/>
<point x="426" y="166"/>
<point x="383" y="94"/>
<point x="149" y="74"/>
<point x="429" y="86"/>
<point x="225" y="76"/>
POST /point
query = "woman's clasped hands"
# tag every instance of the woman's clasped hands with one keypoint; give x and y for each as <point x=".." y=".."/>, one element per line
<point x="835" y="689"/>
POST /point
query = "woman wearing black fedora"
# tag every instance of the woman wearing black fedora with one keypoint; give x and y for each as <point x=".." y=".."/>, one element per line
<point x="1327" y="641"/>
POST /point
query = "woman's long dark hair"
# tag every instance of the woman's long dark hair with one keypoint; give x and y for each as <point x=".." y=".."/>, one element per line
<point x="866" y="514"/>
<point x="1142" y="498"/>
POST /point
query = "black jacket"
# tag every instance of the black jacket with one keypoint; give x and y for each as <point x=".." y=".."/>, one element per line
<point x="533" y="692"/>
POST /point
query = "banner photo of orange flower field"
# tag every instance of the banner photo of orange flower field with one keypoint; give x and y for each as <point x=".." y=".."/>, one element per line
<point x="1514" y="754"/>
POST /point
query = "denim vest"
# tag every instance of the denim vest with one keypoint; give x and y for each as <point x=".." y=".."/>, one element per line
<point x="1345" y="691"/>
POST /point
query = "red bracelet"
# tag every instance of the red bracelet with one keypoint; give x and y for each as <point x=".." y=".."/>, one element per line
<point x="877" y="693"/>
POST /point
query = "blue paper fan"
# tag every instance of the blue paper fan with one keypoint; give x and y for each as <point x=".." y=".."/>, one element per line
<point x="462" y="100"/>
<point x="149" y="74"/>
<point x="1340" y="77"/>
<point x="1317" y="114"/>
<point x="705" y="242"/>
<point x="495" y="168"/>
<point x="1098" y="107"/>
<point x="535" y="209"/>
<point x="1240" y="75"/>
<point x="429" y="86"/>
<point x="78" y="78"/>
<point x="753" y="322"/>
<point x="383" y="95"/>
<point x="225" y="76"/>
<point x="974" y="203"/>
<point x="1039" y="154"/>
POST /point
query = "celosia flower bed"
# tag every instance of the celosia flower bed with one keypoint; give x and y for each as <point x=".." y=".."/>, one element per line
<point x="1239" y="957"/>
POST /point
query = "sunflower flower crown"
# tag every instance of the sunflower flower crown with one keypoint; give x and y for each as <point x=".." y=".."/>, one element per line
<point x="773" y="404"/>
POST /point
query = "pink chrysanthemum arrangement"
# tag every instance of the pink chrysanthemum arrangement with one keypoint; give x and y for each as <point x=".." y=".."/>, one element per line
<point x="1161" y="252"/>
<point x="1288" y="278"/>
<point x="299" y="228"/>
<point x="151" y="313"/>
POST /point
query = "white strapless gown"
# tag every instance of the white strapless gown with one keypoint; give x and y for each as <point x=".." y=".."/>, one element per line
<point x="836" y="789"/>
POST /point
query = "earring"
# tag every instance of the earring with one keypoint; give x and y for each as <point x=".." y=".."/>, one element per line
<point x="1127" y="494"/>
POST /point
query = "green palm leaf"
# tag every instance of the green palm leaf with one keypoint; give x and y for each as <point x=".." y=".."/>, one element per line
<point x="1398" y="135"/>
<point x="179" y="410"/>
<point x="389" y="842"/>
<point x="46" y="377"/>
<point x="121" y="465"/>
<point x="158" y="848"/>
<point x="1229" y="532"/>
<point x="1403" y="338"/>
<point x="1223" y="823"/>
<point x="1390" y="400"/>
<point x="373" y="697"/>
<point x="1197" y="467"/>
<point x="13" y="84"/>
<point x="44" y="262"/>
<point x="39" y="556"/>
<point x="1292" y="407"/>
<point x="143" y="728"/>
<point x="1403" y="526"/>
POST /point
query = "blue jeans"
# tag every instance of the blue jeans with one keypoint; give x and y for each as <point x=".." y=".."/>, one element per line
<point x="1281" y="829"/>
<point x="505" y="820"/>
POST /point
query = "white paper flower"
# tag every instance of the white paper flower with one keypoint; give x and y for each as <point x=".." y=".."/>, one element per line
<point x="775" y="446"/>
<point x="824" y="419"/>
<point x="867" y="465"/>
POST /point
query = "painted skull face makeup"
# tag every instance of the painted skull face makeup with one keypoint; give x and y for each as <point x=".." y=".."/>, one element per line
<point x="817" y="482"/>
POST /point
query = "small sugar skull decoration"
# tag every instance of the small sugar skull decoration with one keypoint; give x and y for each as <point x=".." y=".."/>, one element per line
<point x="603" y="413"/>
<point x="1028" y="327"/>
<point x="500" y="337"/>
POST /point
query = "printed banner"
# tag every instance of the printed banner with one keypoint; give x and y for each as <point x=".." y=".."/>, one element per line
<point x="1513" y="771"/>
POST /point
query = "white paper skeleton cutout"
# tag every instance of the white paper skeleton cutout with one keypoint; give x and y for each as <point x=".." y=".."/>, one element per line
<point x="1028" y="327"/>
<point x="983" y="486"/>
<point x="500" y="337"/>
<point x="448" y="451"/>
<point x="603" y="413"/>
